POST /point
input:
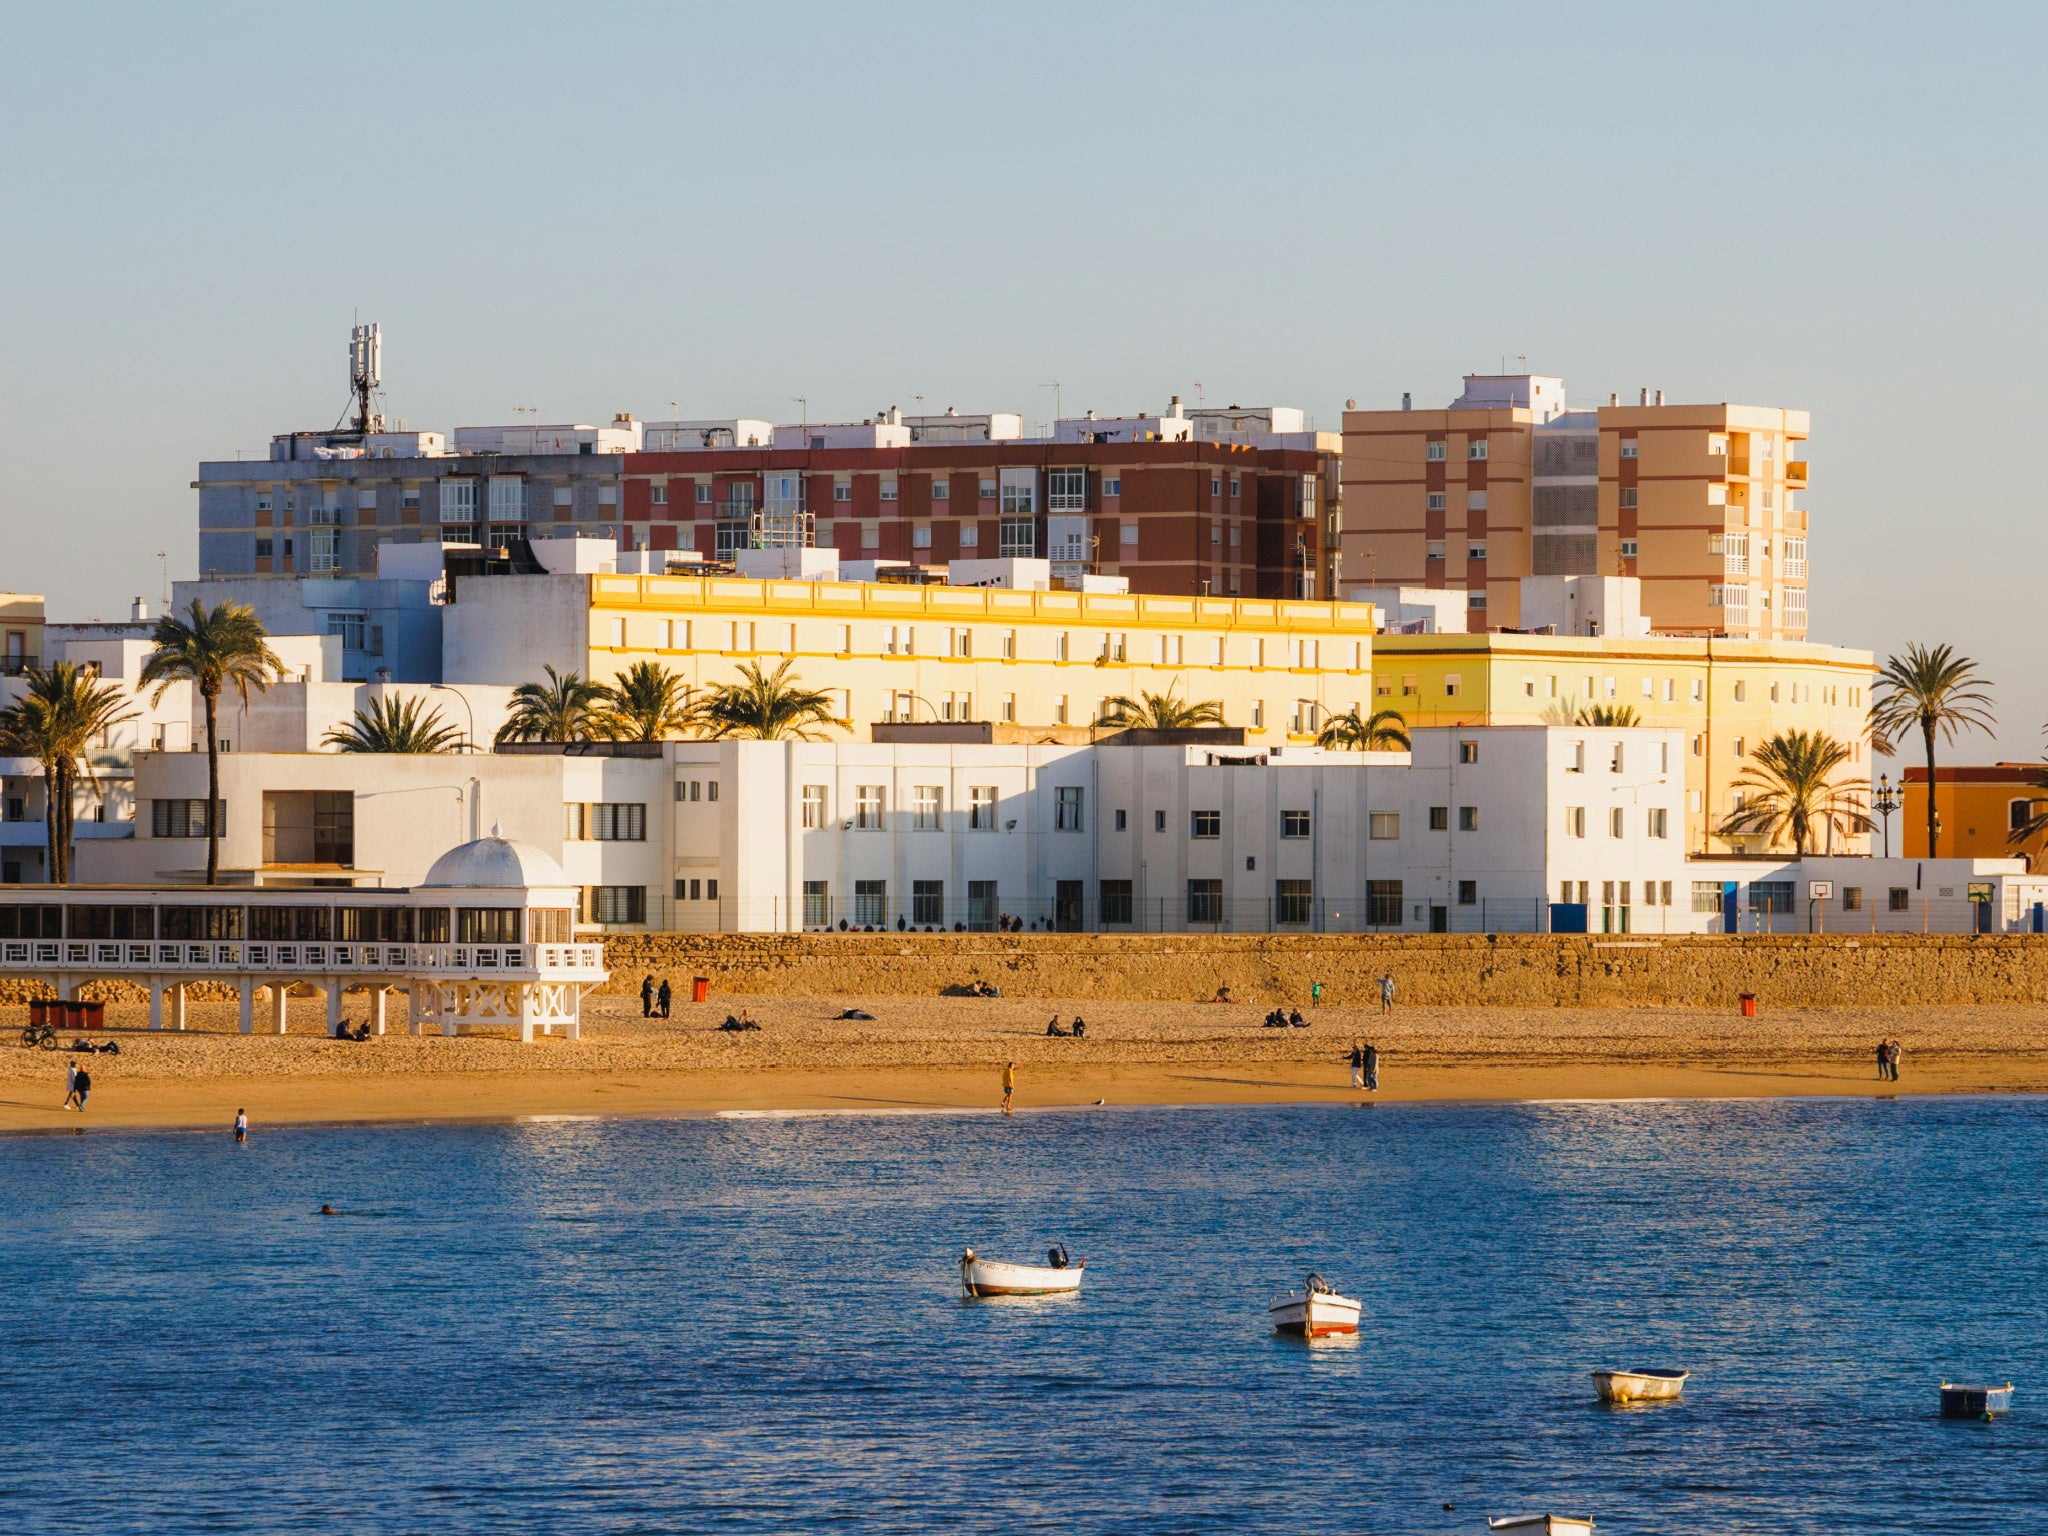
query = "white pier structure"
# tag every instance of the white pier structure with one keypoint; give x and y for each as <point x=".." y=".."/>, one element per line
<point x="486" y="941"/>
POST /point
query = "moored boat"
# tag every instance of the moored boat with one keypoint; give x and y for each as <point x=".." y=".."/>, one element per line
<point x="1542" y="1525"/>
<point x="1315" y="1311"/>
<point x="1639" y="1386"/>
<point x="1974" y="1402"/>
<point x="987" y="1277"/>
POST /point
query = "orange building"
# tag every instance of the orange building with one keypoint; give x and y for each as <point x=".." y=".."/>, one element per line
<point x="1977" y="807"/>
<point x="1699" y="501"/>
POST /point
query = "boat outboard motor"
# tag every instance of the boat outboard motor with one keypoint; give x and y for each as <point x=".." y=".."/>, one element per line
<point x="1315" y="1285"/>
<point x="1056" y="1255"/>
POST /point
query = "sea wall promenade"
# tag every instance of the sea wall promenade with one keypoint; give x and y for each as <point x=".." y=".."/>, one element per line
<point x="1518" y="970"/>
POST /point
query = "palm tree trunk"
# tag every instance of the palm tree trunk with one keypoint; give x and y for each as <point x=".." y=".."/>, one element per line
<point x="212" y="789"/>
<point x="1933" y="821"/>
<point x="53" y="828"/>
<point x="67" y="819"/>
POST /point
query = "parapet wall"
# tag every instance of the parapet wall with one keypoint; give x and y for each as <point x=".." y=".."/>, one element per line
<point x="1510" y="970"/>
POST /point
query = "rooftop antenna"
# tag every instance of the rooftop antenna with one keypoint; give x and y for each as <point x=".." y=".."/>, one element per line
<point x="164" y="560"/>
<point x="1198" y="394"/>
<point x="1054" y="386"/>
<point x="806" y="404"/>
<point x="366" y="375"/>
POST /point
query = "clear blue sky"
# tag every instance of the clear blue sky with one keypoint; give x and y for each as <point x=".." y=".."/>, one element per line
<point x="1838" y="207"/>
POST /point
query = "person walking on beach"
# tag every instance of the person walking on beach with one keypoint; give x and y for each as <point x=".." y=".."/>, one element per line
<point x="1315" y="994"/>
<point x="70" y="1084"/>
<point x="664" y="997"/>
<point x="1009" y="1084"/>
<point x="241" y="1125"/>
<point x="1387" y="993"/>
<point x="82" y="1086"/>
<point x="1884" y="1059"/>
<point x="1357" y="1065"/>
<point x="647" y="998"/>
<point x="1372" y="1068"/>
<point x="1892" y="1062"/>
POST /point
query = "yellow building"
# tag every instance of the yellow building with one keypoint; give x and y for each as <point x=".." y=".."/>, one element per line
<point x="1977" y="807"/>
<point x="889" y="653"/>
<point x="1702" y="502"/>
<point x="21" y="632"/>
<point x="1726" y="695"/>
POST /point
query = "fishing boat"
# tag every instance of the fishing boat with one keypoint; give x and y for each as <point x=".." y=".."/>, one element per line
<point x="986" y="1277"/>
<point x="1962" y="1402"/>
<point x="1315" y="1311"/>
<point x="1543" y="1525"/>
<point x="1639" y="1386"/>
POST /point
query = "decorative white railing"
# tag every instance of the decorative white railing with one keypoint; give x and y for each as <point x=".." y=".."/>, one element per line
<point x="215" y="956"/>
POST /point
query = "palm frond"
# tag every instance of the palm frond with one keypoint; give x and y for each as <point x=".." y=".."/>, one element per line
<point x="394" y="725"/>
<point x="1160" y="711"/>
<point x="763" y="707"/>
<point x="564" y="708"/>
<point x="1790" y="790"/>
<point x="1384" y="730"/>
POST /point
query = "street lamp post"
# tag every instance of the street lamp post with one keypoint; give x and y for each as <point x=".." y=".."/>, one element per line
<point x="466" y="709"/>
<point x="1884" y="802"/>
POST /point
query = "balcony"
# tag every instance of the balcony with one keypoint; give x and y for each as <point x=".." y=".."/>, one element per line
<point x="15" y="666"/>
<point x="1795" y="474"/>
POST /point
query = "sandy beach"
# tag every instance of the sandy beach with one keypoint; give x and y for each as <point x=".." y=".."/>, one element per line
<point x="946" y="1053"/>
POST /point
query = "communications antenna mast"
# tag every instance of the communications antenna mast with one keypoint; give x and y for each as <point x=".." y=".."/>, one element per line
<point x="366" y="375"/>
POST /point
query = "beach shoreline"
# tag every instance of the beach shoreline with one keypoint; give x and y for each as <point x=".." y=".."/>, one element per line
<point x="946" y="1054"/>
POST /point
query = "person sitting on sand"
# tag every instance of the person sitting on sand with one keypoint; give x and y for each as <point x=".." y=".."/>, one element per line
<point x="1080" y="1026"/>
<point x="1054" y="1027"/>
<point x="1222" y="995"/>
<point x="1296" y="1020"/>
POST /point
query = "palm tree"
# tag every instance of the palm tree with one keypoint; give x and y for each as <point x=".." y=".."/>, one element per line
<point x="1790" y="788"/>
<point x="564" y="708"/>
<point x="764" y="707"/>
<point x="1935" y="690"/>
<point x="1356" y="731"/>
<point x="1160" y="711"/>
<point x="224" y="646"/>
<point x="647" y="703"/>
<point x="1606" y="714"/>
<point x="394" y="725"/>
<point x="56" y="722"/>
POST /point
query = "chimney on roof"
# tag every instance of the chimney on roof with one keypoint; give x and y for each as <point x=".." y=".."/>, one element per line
<point x="1660" y="397"/>
<point x="139" y="610"/>
<point x="1173" y="409"/>
<point x="1407" y="400"/>
<point x="1645" y="400"/>
<point x="1614" y="397"/>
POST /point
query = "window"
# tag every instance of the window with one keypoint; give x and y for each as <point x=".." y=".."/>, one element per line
<point x="263" y="549"/>
<point x="942" y="490"/>
<point x="1575" y="821"/>
<point x="1294" y="823"/>
<point x="928" y="902"/>
<point x="1385" y="826"/>
<point x="703" y="492"/>
<point x="925" y="801"/>
<point x="1628" y="549"/>
<point x="1066" y="808"/>
<point x="1454" y="684"/>
<point x="1657" y="822"/>
<point x="1476" y="449"/>
<point x="817" y="904"/>
<point x="1433" y="550"/>
<point x="1439" y="818"/>
<point x="1738" y="748"/>
<point x="1468" y="893"/>
<point x="1628" y="498"/>
<point x="888" y="489"/>
<point x="867" y="807"/>
<point x="981" y="808"/>
<point x="657" y="496"/>
<point x="1616" y="760"/>
<point x="1205" y="823"/>
<point x="1617" y="822"/>
<point x="1468" y="818"/>
<point x="1628" y="447"/>
<point x="1112" y="485"/>
<point x="1205" y="901"/>
<point x="1127" y="535"/>
<point x="1159" y="821"/>
<point x="458" y="502"/>
<point x="615" y="903"/>
<point x="814" y="807"/>
<point x="1475" y="551"/>
<point x="1468" y="751"/>
<point x="1576" y="759"/>
<point x="1233" y="485"/>
<point x="185" y="818"/>
<point x="1699" y="690"/>
<point x="988" y="490"/>
<point x="508" y="498"/>
<point x="1436" y="501"/>
<point x="1852" y="898"/>
<point x="1741" y="692"/>
<point x="1770" y="895"/>
<point x="1706" y="895"/>
<point x="1292" y="900"/>
<point x="1116" y="901"/>
<point x="842" y="490"/>
<point x="871" y="903"/>
<point x="1433" y="452"/>
<point x="350" y="626"/>
<point x="1122" y="821"/>
<point x="1066" y="490"/>
<point x="1383" y="903"/>
<point x="1897" y="899"/>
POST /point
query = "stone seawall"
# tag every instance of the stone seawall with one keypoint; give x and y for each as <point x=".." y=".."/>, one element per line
<point x="1435" y="969"/>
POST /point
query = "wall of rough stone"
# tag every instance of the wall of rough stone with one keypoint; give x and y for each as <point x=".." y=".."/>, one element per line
<point x="1435" y="969"/>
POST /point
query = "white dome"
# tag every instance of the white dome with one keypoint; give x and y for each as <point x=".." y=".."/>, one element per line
<point x="498" y="862"/>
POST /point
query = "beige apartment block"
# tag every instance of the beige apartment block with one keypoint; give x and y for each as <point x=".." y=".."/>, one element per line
<point x="1725" y="696"/>
<point x="886" y="653"/>
<point x="1702" y="502"/>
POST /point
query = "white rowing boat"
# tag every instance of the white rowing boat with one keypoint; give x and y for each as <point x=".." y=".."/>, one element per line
<point x="986" y="1277"/>
<point x="1543" y="1525"/>
<point x="1639" y="1386"/>
<point x="1315" y="1311"/>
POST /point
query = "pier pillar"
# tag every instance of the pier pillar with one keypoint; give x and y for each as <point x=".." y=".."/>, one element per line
<point x="333" y="1006"/>
<point x="412" y="1008"/>
<point x="247" y="987"/>
<point x="177" y="990"/>
<point x="156" y="1002"/>
<point x="377" y="996"/>
<point x="280" y="992"/>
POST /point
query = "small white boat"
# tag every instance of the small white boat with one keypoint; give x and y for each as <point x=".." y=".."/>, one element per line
<point x="1543" y="1525"/>
<point x="986" y="1277"/>
<point x="1315" y="1311"/>
<point x="1639" y="1386"/>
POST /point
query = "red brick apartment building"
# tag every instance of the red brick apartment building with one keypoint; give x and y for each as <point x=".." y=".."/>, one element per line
<point x="1188" y="516"/>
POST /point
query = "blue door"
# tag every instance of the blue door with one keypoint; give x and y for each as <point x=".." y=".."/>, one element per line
<point x="1731" y="914"/>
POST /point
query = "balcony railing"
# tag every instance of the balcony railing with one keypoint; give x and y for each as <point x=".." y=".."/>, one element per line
<point x="15" y="666"/>
<point x="215" y="956"/>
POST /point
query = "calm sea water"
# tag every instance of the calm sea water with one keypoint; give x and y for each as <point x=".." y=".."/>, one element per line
<point x="754" y="1325"/>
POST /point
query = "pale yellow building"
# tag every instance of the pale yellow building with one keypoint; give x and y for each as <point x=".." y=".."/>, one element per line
<point x="888" y="653"/>
<point x="1703" y="502"/>
<point x="1727" y="696"/>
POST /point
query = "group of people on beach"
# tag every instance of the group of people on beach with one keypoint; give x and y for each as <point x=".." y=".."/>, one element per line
<point x="1888" y="1060"/>
<point x="655" y="1000"/>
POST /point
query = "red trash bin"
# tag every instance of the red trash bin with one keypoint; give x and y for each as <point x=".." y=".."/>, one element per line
<point x="39" y="1010"/>
<point x="70" y="1013"/>
<point x="1749" y="1005"/>
<point x="94" y="1015"/>
<point x="700" y="989"/>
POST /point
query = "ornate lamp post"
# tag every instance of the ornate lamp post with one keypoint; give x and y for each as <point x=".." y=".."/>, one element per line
<point x="1884" y="802"/>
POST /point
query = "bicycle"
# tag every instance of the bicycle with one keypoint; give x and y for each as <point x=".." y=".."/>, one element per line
<point x="39" y="1035"/>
